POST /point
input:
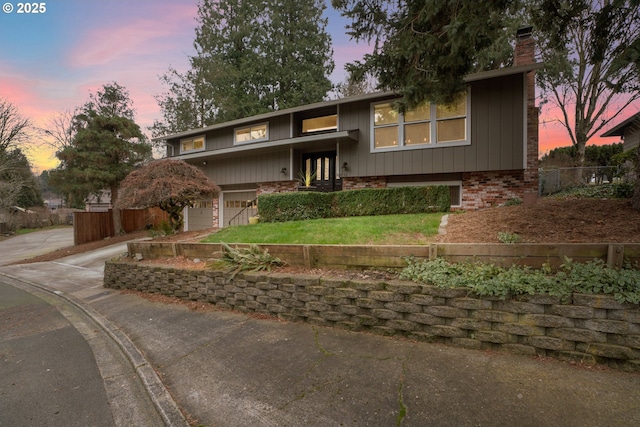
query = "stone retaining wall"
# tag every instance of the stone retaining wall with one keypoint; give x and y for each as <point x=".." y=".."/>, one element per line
<point x="590" y="328"/>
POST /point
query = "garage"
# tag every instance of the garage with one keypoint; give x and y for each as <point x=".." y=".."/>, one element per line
<point x="199" y="217"/>
<point x="238" y="206"/>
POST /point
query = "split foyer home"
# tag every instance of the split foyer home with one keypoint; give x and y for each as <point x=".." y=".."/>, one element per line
<point x="484" y="146"/>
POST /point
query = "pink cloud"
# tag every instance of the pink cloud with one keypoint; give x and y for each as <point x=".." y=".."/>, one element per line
<point x="21" y="92"/>
<point x="553" y="134"/>
<point x="345" y="53"/>
<point x="169" y="28"/>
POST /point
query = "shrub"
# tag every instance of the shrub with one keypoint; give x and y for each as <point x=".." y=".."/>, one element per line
<point x="248" y="259"/>
<point x="294" y="206"/>
<point x="506" y="237"/>
<point x="623" y="190"/>
<point x="487" y="279"/>
<point x="512" y="202"/>
<point x="386" y="201"/>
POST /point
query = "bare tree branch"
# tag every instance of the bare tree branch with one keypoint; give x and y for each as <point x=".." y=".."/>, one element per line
<point x="13" y="127"/>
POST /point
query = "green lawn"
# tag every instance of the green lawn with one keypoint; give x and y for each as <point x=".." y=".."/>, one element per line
<point x="413" y="229"/>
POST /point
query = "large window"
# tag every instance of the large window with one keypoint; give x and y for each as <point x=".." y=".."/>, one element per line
<point x="253" y="133"/>
<point x="192" y="144"/>
<point x="424" y="126"/>
<point x="320" y="124"/>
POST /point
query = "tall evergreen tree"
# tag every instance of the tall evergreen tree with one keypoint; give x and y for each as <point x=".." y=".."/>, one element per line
<point x="228" y="63"/>
<point x="423" y="49"/>
<point x="297" y="53"/>
<point x="252" y="56"/>
<point x="107" y="146"/>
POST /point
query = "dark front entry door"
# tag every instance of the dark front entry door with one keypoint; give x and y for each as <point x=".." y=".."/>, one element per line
<point x="323" y="165"/>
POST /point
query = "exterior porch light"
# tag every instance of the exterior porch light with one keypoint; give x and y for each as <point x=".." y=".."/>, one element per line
<point x="283" y="171"/>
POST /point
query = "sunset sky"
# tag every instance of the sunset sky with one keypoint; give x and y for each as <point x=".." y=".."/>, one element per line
<point x="50" y="62"/>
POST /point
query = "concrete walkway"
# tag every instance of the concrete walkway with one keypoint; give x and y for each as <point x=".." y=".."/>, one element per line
<point x="229" y="369"/>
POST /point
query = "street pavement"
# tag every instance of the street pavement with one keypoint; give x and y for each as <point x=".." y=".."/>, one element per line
<point x="48" y="373"/>
<point x="229" y="369"/>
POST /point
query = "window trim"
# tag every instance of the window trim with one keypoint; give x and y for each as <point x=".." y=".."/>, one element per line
<point x="193" y="138"/>
<point x="250" y="127"/>
<point x="433" y="122"/>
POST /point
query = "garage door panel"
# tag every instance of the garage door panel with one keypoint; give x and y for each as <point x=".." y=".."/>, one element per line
<point x="238" y="207"/>
<point x="200" y="217"/>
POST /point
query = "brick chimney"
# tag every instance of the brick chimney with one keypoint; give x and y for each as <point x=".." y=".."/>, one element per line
<point x="525" y="47"/>
<point x="524" y="54"/>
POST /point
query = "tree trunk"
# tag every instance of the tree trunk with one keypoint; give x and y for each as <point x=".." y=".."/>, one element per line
<point x="117" y="220"/>
<point x="581" y="146"/>
<point x="635" y="201"/>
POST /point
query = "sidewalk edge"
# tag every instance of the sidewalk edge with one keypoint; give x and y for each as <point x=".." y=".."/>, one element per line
<point x="160" y="396"/>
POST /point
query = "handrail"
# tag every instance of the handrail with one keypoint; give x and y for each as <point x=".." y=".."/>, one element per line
<point x="249" y="205"/>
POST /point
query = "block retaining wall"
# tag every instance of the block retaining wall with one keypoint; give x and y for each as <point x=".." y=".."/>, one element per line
<point x="590" y="328"/>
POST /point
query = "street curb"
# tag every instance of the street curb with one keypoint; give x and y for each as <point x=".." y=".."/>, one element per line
<point x="160" y="396"/>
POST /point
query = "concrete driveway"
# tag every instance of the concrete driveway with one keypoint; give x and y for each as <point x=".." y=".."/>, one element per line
<point x="31" y="245"/>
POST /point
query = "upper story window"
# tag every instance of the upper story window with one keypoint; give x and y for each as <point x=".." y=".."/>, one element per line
<point x="320" y="124"/>
<point x="253" y="133"/>
<point x="188" y="145"/>
<point x="425" y="126"/>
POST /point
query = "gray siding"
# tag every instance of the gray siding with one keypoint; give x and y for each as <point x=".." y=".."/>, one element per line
<point x="263" y="167"/>
<point x="279" y="128"/>
<point x="496" y="132"/>
<point x="631" y="137"/>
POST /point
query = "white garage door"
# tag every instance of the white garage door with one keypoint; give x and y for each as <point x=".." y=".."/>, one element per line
<point x="238" y="207"/>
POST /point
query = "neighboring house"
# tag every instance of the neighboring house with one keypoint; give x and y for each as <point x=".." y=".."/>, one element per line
<point x="99" y="203"/>
<point x="628" y="131"/>
<point x="484" y="146"/>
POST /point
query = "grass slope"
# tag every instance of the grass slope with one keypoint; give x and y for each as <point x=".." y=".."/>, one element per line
<point x="412" y="229"/>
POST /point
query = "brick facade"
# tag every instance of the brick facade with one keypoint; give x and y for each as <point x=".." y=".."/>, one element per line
<point x="589" y="328"/>
<point x="276" y="187"/>
<point x="216" y="212"/>
<point x="358" y="183"/>
<point x="524" y="55"/>
<point x="482" y="190"/>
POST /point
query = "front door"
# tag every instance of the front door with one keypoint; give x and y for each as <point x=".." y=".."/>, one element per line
<point x="323" y="167"/>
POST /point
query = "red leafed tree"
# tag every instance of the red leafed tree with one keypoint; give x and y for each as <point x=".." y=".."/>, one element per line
<point x="171" y="185"/>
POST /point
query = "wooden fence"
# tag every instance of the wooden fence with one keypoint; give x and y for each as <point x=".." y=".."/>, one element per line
<point x="92" y="226"/>
<point x="363" y="257"/>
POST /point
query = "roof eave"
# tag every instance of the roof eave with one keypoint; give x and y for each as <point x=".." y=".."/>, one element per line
<point x="500" y="72"/>
<point x="261" y="117"/>
<point x="620" y="128"/>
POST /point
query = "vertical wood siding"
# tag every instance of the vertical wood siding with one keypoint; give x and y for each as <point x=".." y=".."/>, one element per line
<point x="496" y="132"/>
<point x="250" y="168"/>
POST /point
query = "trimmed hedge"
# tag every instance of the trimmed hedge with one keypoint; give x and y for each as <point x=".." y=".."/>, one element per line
<point x="386" y="201"/>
